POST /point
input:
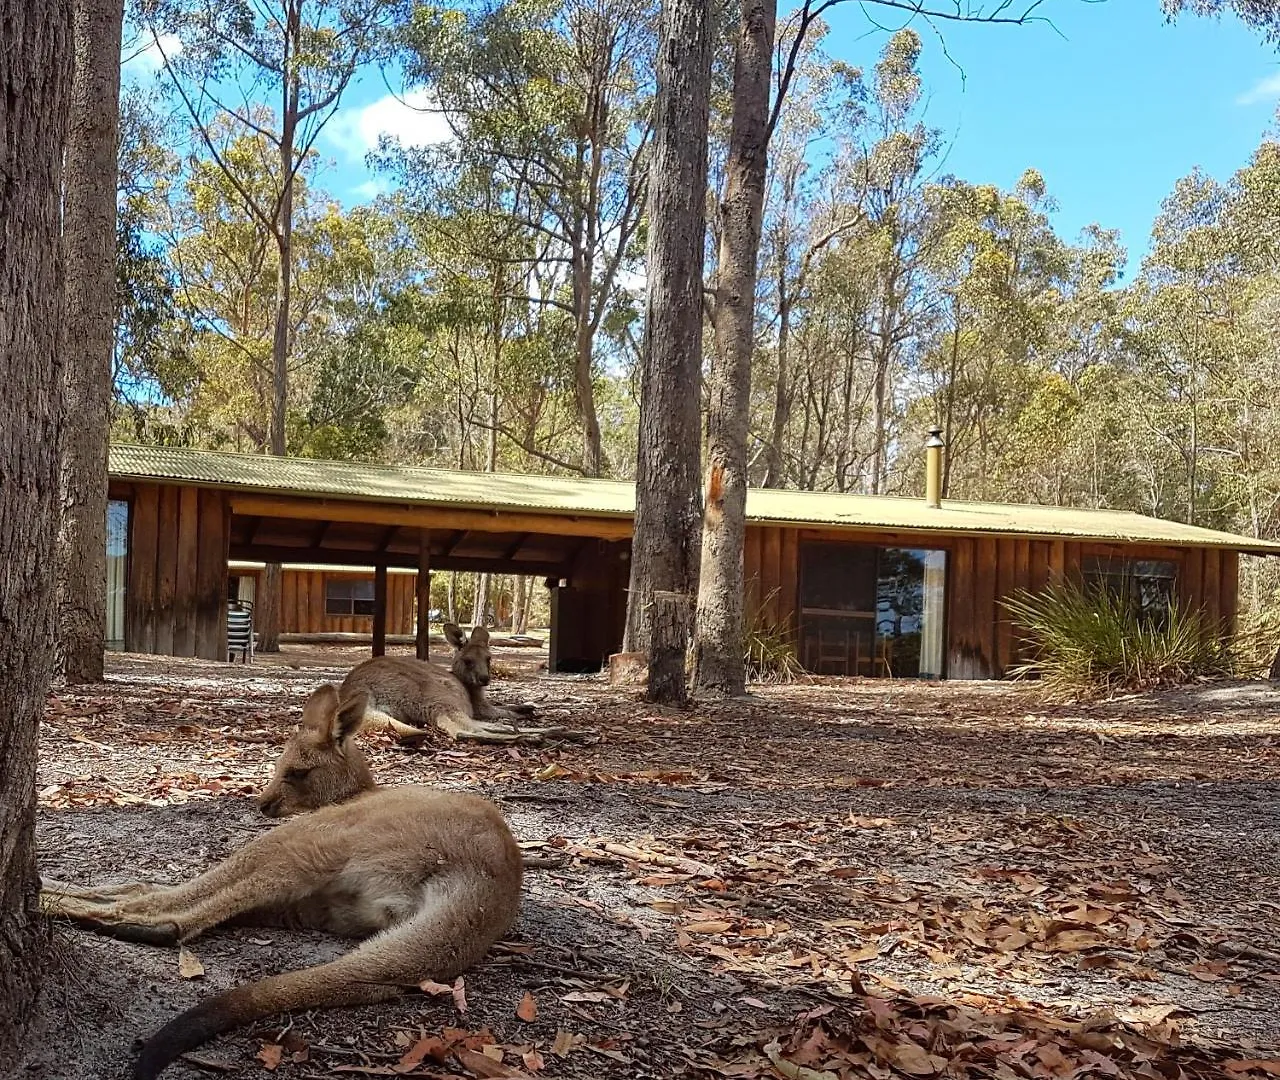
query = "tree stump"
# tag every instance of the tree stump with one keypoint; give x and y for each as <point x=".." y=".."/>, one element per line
<point x="669" y="643"/>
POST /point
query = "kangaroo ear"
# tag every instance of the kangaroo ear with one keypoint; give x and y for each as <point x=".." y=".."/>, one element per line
<point x="479" y="636"/>
<point x="454" y="636"/>
<point x="350" y="716"/>
<point x="317" y="713"/>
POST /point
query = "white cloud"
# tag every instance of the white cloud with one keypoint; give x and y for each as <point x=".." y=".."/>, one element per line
<point x="1267" y="89"/>
<point x="409" y="119"/>
<point x="371" y="189"/>
<point x="141" y="57"/>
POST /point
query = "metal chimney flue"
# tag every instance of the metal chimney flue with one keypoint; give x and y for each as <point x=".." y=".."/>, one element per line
<point x="933" y="468"/>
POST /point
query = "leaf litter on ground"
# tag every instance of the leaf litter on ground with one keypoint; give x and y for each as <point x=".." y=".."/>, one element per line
<point x="834" y="879"/>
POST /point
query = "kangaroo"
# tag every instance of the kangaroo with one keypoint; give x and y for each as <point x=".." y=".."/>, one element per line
<point x="408" y="697"/>
<point x="431" y="878"/>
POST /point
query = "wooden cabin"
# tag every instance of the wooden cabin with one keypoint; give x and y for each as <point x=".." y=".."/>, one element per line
<point x="864" y="585"/>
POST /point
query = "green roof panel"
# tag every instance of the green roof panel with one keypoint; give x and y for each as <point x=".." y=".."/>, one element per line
<point x="560" y="495"/>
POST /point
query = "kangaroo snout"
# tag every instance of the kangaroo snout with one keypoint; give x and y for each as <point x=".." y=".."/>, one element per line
<point x="269" y="805"/>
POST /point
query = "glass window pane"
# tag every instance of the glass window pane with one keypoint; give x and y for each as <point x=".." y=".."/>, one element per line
<point x="117" y="570"/>
<point x="872" y="611"/>
<point x="337" y="596"/>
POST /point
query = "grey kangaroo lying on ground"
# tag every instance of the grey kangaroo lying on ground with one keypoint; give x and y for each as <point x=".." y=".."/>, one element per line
<point x="409" y="697"/>
<point x="433" y="876"/>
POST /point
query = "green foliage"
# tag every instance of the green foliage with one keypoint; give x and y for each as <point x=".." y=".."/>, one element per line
<point x="1089" y="641"/>
<point x="771" y="649"/>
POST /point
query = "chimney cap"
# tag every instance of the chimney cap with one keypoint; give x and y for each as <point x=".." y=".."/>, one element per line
<point x="935" y="438"/>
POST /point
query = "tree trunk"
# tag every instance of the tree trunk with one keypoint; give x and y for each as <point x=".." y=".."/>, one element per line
<point x="583" y="376"/>
<point x="89" y="239"/>
<point x="35" y="79"/>
<point x="719" y="665"/>
<point x="668" y="500"/>
<point x="879" y="421"/>
<point x="481" y="605"/>
<point x="451" y="597"/>
<point x="267" y="608"/>
<point x="520" y="603"/>
<point x="774" y="475"/>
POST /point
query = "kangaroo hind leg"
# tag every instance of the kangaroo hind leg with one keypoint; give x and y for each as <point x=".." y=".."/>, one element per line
<point x="172" y="914"/>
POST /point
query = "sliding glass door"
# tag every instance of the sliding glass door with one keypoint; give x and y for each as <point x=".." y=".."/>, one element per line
<point x="868" y="610"/>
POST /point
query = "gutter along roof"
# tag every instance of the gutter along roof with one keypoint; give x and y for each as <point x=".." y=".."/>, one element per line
<point x="613" y="499"/>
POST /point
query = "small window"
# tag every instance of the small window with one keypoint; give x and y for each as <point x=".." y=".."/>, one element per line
<point x="348" y="596"/>
<point x="1147" y="585"/>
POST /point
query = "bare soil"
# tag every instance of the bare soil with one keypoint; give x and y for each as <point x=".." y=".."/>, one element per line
<point x="855" y="878"/>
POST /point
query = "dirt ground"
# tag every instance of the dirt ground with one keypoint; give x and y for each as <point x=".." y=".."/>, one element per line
<point x="831" y="879"/>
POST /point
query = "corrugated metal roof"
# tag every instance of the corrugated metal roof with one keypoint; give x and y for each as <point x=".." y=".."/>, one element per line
<point x="561" y="495"/>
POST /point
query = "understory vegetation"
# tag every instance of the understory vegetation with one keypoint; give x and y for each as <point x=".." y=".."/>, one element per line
<point x="1086" y="641"/>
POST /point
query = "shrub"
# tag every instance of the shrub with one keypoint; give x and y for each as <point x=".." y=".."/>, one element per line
<point x="1089" y="641"/>
<point x="771" y="649"/>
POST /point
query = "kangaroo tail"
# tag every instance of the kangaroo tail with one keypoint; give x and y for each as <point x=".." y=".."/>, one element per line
<point x="460" y="917"/>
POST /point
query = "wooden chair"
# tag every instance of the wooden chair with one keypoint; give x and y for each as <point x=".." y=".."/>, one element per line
<point x="837" y="650"/>
<point x="240" y="636"/>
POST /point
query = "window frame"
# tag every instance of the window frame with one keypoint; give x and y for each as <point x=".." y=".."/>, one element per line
<point x="1123" y="576"/>
<point x="352" y="605"/>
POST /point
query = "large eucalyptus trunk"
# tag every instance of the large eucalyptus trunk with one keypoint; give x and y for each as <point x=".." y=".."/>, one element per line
<point x="719" y="663"/>
<point x="774" y="474"/>
<point x="664" y="562"/>
<point x="89" y="239"/>
<point x="35" y="81"/>
<point x="267" y="604"/>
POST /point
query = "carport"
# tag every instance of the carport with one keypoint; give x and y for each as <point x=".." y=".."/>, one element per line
<point x="188" y="512"/>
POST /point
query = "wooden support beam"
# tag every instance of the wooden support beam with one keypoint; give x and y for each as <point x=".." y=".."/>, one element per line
<point x="452" y="546"/>
<point x="431" y="517"/>
<point x="255" y="523"/>
<point x="317" y="538"/>
<point x="283" y="553"/>
<point x="388" y="535"/>
<point x="423" y="642"/>
<point x="380" y="609"/>
<point x="515" y="547"/>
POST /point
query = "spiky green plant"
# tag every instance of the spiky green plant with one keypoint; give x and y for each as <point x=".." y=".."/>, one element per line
<point x="1088" y="641"/>
<point x="771" y="648"/>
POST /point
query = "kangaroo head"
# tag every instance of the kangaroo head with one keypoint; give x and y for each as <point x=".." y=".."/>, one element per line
<point x="320" y="764"/>
<point x="471" y="656"/>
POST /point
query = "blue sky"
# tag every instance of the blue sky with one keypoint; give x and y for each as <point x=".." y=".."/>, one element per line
<point x="1110" y="104"/>
<point x="1112" y="107"/>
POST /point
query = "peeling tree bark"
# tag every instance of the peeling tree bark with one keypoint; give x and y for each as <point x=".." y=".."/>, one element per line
<point x="35" y="78"/>
<point x="668" y="500"/>
<point x="89" y="245"/>
<point x="718" y="652"/>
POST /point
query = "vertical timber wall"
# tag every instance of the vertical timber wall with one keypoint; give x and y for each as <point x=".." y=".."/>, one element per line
<point x="302" y="606"/>
<point x="175" y="600"/>
<point x="983" y="642"/>
<point x="589" y="615"/>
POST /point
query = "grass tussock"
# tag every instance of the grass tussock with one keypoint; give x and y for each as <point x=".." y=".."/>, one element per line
<point x="771" y="649"/>
<point x="1089" y="642"/>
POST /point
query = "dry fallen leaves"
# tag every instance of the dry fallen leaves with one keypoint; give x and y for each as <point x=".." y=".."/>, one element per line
<point x="189" y="966"/>
<point x="271" y="1055"/>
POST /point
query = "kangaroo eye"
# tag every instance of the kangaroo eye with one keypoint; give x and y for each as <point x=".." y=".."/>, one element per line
<point x="295" y="775"/>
